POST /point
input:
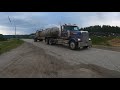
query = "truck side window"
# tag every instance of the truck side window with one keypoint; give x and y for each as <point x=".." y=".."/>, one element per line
<point x="61" y="28"/>
<point x="64" y="29"/>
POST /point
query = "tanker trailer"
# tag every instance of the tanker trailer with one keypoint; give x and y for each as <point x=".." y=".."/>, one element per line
<point x="51" y="32"/>
<point x="69" y="35"/>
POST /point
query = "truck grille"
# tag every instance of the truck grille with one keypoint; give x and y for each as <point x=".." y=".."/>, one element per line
<point x="84" y="36"/>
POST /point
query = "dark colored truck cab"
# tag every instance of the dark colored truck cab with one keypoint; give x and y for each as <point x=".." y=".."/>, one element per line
<point x="75" y="37"/>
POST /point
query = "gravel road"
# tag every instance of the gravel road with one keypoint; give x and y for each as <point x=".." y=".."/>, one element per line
<point x="38" y="60"/>
<point x="104" y="58"/>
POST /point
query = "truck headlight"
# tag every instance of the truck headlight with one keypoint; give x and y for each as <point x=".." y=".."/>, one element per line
<point x="79" y="39"/>
<point x="89" y="39"/>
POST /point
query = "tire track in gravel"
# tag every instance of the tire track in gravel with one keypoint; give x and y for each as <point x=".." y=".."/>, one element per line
<point x="34" y="62"/>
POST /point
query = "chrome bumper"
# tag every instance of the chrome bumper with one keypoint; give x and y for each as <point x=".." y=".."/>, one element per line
<point x="82" y="44"/>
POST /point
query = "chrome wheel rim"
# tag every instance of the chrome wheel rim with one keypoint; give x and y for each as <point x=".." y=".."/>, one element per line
<point x="50" y="42"/>
<point x="72" y="45"/>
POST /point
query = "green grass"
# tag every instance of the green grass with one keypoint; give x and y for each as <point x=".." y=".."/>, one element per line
<point x="101" y="40"/>
<point x="10" y="44"/>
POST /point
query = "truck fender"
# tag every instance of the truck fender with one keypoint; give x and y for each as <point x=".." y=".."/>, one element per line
<point x="72" y="39"/>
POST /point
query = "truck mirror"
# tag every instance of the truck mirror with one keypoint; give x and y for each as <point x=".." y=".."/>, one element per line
<point x="61" y="28"/>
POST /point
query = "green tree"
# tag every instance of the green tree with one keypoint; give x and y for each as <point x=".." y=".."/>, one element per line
<point x="105" y="30"/>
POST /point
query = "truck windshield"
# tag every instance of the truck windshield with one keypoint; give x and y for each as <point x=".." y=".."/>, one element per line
<point x="74" y="28"/>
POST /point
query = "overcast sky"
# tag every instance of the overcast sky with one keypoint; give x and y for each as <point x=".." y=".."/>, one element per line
<point x="28" y="22"/>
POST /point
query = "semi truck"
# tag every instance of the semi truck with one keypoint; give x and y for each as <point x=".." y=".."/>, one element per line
<point x="66" y="34"/>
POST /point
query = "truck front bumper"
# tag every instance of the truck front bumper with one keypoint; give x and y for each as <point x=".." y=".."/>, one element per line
<point x="82" y="44"/>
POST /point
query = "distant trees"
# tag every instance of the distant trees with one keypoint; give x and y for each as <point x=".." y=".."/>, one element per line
<point x="104" y="30"/>
<point x="2" y="38"/>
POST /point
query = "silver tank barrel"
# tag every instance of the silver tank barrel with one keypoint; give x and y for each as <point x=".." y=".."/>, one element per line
<point x="51" y="32"/>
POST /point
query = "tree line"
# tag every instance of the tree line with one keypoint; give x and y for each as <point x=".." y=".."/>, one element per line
<point x="2" y="38"/>
<point x="104" y="30"/>
<point x="6" y="37"/>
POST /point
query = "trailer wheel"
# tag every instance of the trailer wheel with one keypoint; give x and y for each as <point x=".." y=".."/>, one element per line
<point x="40" y="40"/>
<point x="50" y="41"/>
<point x="73" y="45"/>
<point x="85" y="47"/>
<point x="35" y="39"/>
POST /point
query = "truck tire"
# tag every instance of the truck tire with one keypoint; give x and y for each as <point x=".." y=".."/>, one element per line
<point x="73" y="45"/>
<point x="47" y="41"/>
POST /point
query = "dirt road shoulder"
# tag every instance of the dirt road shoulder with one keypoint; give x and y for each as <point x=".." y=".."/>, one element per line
<point x="107" y="48"/>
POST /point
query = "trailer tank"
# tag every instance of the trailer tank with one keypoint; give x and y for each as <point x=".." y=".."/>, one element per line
<point x="50" y="32"/>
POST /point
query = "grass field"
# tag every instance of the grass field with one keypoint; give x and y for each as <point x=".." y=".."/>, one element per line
<point x="10" y="44"/>
<point x="104" y="40"/>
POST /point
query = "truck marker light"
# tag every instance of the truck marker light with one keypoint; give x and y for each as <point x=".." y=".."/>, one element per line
<point x="79" y="39"/>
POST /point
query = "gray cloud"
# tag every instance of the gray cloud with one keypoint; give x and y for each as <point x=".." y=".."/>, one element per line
<point x="28" y="22"/>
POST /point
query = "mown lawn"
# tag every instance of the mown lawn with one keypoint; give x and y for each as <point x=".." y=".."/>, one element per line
<point x="10" y="44"/>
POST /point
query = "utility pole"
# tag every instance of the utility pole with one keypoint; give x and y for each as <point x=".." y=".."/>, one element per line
<point x="13" y="24"/>
<point x="15" y="31"/>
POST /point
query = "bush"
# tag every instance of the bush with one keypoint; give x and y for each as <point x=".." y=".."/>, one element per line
<point x="2" y="38"/>
<point x="99" y="40"/>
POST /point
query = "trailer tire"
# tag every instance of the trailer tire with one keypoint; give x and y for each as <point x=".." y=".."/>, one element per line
<point x="35" y="39"/>
<point x="40" y="40"/>
<point x="50" y="42"/>
<point x="85" y="47"/>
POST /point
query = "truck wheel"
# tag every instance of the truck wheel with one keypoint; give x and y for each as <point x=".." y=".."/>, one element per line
<point x="73" y="45"/>
<point x="47" y="41"/>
